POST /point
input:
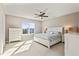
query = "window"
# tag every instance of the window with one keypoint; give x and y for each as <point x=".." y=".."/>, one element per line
<point x="28" y="28"/>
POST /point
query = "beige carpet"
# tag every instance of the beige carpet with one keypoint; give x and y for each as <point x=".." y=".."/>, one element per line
<point x="36" y="49"/>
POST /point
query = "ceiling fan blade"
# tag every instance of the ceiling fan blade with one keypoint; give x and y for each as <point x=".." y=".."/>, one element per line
<point x="42" y="14"/>
<point x="45" y="16"/>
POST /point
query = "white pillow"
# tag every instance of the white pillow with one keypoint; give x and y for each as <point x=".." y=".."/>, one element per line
<point x="53" y="32"/>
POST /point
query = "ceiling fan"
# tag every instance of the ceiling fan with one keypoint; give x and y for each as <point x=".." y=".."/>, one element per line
<point x="41" y="14"/>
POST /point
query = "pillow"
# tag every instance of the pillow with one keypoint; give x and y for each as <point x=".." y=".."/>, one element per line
<point x="53" y="32"/>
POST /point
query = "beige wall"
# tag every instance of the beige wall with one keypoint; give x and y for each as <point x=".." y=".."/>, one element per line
<point x="70" y="20"/>
<point x="13" y="21"/>
<point x="2" y="29"/>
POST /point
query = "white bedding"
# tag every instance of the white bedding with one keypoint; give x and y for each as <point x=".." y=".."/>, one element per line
<point x="48" y="36"/>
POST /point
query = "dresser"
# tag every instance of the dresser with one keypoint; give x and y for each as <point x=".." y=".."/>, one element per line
<point x="15" y="34"/>
<point x="71" y="44"/>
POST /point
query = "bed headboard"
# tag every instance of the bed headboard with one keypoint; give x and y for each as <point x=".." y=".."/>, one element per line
<point x="55" y="28"/>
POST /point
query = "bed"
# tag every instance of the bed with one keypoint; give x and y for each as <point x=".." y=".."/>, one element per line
<point x="51" y="37"/>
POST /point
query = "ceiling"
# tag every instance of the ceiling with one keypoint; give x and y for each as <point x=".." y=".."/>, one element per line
<point x="27" y="10"/>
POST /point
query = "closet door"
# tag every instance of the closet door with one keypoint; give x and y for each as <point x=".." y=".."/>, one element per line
<point x="15" y="34"/>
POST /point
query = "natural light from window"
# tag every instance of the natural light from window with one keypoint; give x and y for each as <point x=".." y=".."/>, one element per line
<point x="28" y="27"/>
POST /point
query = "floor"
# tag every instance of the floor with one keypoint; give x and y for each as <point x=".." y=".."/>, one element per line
<point x="30" y="48"/>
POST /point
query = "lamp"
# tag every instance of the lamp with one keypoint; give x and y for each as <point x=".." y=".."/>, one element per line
<point x="77" y="29"/>
<point x="67" y="29"/>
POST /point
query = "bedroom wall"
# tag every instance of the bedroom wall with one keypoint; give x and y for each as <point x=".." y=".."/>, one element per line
<point x="2" y="28"/>
<point x="13" y="21"/>
<point x="66" y="20"/>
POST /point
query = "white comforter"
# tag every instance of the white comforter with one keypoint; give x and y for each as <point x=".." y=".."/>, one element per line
<point x="47" y="36"/>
